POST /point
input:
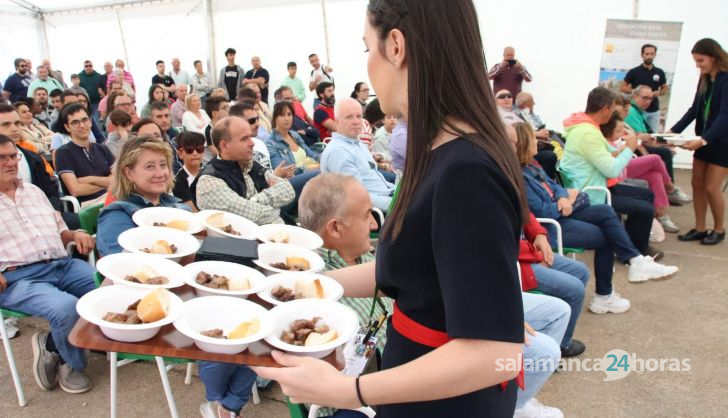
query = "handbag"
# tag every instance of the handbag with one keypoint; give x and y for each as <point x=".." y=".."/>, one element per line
<point x="233" y="250"/>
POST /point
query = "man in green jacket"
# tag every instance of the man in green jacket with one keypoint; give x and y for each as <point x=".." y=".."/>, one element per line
<point x="588" y="161"/>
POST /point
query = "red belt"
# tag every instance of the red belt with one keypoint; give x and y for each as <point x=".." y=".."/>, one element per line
<point x="414" y="331"/>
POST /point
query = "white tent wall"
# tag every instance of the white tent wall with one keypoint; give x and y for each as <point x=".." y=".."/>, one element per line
<point x="559" y="41"/>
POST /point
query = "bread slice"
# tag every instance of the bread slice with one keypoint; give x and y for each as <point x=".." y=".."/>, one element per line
<point x="144" y="274"/>
<point x="161" y="247"/>
<point x="217" y="220"/>
<point x="245" y="329"/>
<point x="316" y="338"/>
<point x="237" y="284"/>
<point x="297" y="263"/>
<point x="154" y="306"/>
<point x="304" y="289"/>
<point x="180" y="224"/>
<point x="280" y="238"/>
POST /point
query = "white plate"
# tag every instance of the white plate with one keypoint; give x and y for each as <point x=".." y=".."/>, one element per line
<point x="226" y="313"/>
<point x="337" y="316"/>
<point x="296" y="235"/>
<point x="148" y="216"/>
<point x="135" y="239"/>
<point x="678" y="141"/>
<point x="247" y="228"/>
<point x="117" y="266"/>
<point x="332" y="289"/>
<point x="256" y="279"/>
<point x="95" y="304"/>
<point x="277" y="253"/>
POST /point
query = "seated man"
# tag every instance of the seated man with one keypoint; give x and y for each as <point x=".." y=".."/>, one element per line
<point x="587" y="161"/>
<point x="161" y="116"/>
<point x="235" y="183"/>
<point x="38" y="277"/>
<point x="346" y="154"/>
<point x="84" y="166"/>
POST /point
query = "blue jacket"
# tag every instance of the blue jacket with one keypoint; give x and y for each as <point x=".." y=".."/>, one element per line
<point x="540" y="202"/>
<point x="280" y="151"/>
<point x="116" y="218"/>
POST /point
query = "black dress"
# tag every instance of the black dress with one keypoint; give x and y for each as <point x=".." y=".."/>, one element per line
<point x="453" y="269"/>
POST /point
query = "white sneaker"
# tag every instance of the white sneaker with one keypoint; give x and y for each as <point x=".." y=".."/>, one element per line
<point x="215" y="409"/>
<point x="535" y="409"/>
<point x="643" y="268"/>
<point x="11" y="326"/>
<point x="613" y="303"/>
<point x="667" y="224"/>
<point x="677" y="196"/>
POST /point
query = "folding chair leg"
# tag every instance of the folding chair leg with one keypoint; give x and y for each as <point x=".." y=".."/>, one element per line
<point x="167" y="388"/>
<point x="188" y="375"/>
<point x="256" y="397"/>
<point x="112" y="378"/>
<point x="11" y="363"/>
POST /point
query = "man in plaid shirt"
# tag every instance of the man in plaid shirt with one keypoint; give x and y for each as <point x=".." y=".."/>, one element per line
<point x="37" y="276"/>
<point x="235" y="183"/>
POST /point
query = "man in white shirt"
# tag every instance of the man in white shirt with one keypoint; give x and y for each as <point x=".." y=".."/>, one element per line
<point x="179" y="75"/>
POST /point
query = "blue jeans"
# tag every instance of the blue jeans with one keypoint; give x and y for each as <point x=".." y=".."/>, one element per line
<point x="636" y="203"/>
<point x="228" y="383"/>
<point x="94" y="107"/>
<point x="298" y="181"/>
<point x="566" y="279"/>
<point x="388" y="175"/>
<point x="50" y="291"/>
<point x="549" y="316"/>
<point x="596" y="227"/>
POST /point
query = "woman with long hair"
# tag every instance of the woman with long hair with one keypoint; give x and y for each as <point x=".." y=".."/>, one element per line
<point x="156" y="94"/>
<point x="458" y="308"/>
<point x="710" y="161"/>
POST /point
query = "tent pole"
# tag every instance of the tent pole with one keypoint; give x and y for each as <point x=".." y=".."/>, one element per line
<point x="43" y="36"/>
<point x="635" y="9"/>
<point x="326" y="32"/>
<point x="210" y="27"/>
<point x="123" y="41"/>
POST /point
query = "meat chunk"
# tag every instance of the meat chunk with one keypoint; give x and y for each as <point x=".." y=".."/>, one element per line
<point x="282" y="294"/>
<point x="214" y="333"/>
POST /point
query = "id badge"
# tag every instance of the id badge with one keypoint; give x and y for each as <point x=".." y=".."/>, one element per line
<point x="357" y="354"/>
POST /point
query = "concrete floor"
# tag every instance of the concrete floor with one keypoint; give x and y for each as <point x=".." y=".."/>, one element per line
<point x="684" y="317"/>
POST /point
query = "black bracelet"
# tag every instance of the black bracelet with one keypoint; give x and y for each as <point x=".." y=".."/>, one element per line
<point x="358" y="393"/>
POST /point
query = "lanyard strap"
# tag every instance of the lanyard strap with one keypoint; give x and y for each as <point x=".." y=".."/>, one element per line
<point x="706" y="108"/>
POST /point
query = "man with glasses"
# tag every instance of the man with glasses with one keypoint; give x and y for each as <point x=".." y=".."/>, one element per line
<point x="83" y="166"/>
<point x="235" y="183"/>
<point x="90" y="80"/>
<point x="510" y="73"/>
<point x="38" y="277"/>
<point x="16" y="85"/>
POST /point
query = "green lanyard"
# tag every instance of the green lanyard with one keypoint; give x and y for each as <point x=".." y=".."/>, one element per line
<point x="374" y="325"/>
<point x="706" y="108"/>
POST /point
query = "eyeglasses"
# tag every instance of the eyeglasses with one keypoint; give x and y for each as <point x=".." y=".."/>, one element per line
<point x="87" y="66"/>
<point x="253" y="120"/>
<point x="504" y="96"/>
<point x="77" y="122"/>
<point x="287" y="99"/>
<point x="646" y="97"/>
<point x="123" y="104"/>
<point x="189" y="149"/>
<point x="4" y="158"/>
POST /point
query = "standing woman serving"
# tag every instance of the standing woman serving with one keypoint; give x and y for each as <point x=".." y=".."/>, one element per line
<point x="458" y="300"/>
<point x="710" y="161"/>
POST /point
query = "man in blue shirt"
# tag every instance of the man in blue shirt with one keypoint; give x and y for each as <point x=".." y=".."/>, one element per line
<point x="346" y="154"/>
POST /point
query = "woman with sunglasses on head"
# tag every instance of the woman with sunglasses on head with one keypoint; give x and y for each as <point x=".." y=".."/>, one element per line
<point x="710" y="161"/>
<point x="190" y="149"/>
<point x="448" y="252"/>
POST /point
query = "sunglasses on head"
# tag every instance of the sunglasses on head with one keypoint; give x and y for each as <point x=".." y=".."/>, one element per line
<point x="194" y="148"/>
<point x="504" y="96"/>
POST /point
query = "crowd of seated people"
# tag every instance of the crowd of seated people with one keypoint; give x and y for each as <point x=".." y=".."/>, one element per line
<point x="226" y="148"/>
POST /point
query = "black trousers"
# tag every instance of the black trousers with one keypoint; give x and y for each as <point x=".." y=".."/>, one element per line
<point x="636" y="204"/>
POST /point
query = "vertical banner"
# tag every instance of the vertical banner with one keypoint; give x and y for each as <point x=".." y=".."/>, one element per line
<point x="622" y="43"/>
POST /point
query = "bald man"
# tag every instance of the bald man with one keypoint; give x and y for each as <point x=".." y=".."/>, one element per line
<point x="346" y="154"/>
<point x="259" y="76"/>
<point x="510" y="73"/>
